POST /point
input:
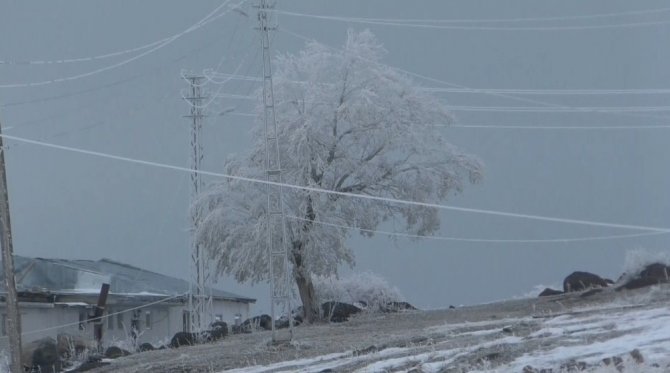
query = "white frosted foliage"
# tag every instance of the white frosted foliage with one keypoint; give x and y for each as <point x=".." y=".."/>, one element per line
<point x="345" y="123"/>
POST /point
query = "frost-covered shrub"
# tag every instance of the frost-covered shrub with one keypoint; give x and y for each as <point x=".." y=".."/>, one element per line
<point x="367" y="288"/>
<point x="637" y="259"/>
<point x="165" y="341"/>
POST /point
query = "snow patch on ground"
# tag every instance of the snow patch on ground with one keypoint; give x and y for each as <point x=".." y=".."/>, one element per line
<point x="580" y="336"/>
<point x="647" y="331"/>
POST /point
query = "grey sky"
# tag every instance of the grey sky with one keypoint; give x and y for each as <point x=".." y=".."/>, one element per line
<point x="75" y="206"/>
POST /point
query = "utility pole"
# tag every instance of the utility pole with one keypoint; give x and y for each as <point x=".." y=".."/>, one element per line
<point x="200" y="300"/>
<point x="277" y="251"/>
<point x="11" y="301"/>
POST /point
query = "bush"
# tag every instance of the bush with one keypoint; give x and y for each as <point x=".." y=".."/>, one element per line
<point x="636" y="260"/>
<point x="366" y="289"/>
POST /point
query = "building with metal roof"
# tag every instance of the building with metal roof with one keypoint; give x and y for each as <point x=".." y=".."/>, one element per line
<point x="59" y="296"/>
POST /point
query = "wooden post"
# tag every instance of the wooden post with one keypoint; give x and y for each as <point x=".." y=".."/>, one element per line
<point x="13" y="315"/>
<point x="97" y="314"/>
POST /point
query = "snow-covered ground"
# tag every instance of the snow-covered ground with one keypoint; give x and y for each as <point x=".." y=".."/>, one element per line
<point x="605" y="332"/>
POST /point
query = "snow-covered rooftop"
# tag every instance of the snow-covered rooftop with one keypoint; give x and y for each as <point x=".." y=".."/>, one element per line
<point x="67" y="276"/>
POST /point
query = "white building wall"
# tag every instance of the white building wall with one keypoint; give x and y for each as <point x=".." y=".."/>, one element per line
<point x="176" y="319"/>
<point x="158" y="330"/>
<point x="228" y="310"/>
<point x="166" y="321"/>
<point x="41" y="320"/>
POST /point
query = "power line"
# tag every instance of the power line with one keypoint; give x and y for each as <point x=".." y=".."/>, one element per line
<point x="531" y="109"/>
<point x="197" y="25"/>
<point x="83" y="59"/>
<point x="343" y="194"/>
<point x="232" y="38"/>
<point x="206" y="73"/>
<point x="517" y="109"/>
<point x="104" y="86"/>
<point x="97" y="57"/>
<point x="501" y="20"/>
<point x="557" y="127"/>
<point x="479" y="240"/>
<point x="417" y="75"/>
<point x="644" y="91"/>
<point x="520" y="127"/>
<point x="221" y="85"/>
<point x="431" y="79"/>
<point x="504" y="126"/>
<point x="475" y="28"/>
<point x="551" y="92"/>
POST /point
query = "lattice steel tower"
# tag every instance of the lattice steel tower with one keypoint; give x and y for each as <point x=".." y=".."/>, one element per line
<point x="200" y="300"/>
<point x="276" y="229"/>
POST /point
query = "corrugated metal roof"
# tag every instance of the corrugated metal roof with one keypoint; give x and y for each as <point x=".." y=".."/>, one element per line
<point x="86" y="276"/>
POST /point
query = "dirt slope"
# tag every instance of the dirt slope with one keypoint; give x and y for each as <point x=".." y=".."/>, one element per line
<point x="552" y="332"/>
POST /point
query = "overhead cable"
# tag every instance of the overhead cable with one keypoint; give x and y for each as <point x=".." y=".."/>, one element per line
<point x="197" y="25"/>
<point x="478" y="240"/>
<point x="507" y="126"/>
<point x="501" y="20"/>
<point x="514" y="109"/>
<point x="103" y="86"/>
<point x="644" y="91"/>
<point x="535" y="109"/>
<point x="477" y="28"/>
<point x="556" y="127"/>
<point x="343" y="194"/>
<point x="218" y="91"/>
<point x="100" y="56"/>
<point x="450" y="84"/>
<point x="550" y="92"/>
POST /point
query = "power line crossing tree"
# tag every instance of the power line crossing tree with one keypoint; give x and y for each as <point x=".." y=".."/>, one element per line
<point x="355" y="126"/>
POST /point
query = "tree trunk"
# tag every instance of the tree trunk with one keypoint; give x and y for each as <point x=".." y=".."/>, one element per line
<point x="305" y="285"/>
<point x="308" y="297"/>
<point x="303" y="277"/>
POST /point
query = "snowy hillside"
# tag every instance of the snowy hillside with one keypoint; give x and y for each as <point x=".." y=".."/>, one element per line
<point x="604" y="332"/>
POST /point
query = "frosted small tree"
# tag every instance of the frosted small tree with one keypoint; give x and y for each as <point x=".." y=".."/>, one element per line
<point x="345" y="123"/>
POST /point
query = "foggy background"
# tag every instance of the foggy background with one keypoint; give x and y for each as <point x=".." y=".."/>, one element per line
<point x="68" y="205"/>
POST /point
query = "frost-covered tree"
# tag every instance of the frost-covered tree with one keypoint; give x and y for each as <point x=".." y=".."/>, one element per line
<point x="345" y="123"/>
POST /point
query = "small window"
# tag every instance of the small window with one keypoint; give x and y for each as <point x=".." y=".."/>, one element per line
<point x="135" y="321"/>
<point x="147" y="319"/>
<point x="218" y="318"/>
<point x="110" y="320"/>
<point x="238" y="319"/>
<point x="186" y="321"/>
<point x="119" y="321"/>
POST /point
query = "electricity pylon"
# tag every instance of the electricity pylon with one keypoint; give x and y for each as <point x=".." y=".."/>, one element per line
<point x="276" y="229"/>
<point x="200" y="300"/>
